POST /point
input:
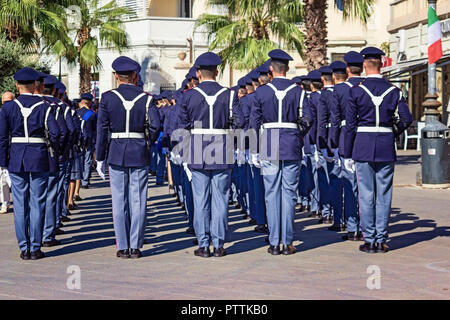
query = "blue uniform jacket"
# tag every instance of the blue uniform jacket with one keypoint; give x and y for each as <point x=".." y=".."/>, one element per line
<point x="112" y="117"/>
<point x="26" y="157"/>
<point x="373" y="146"/>
<point x="89" y="124"/>
<point x="266" y="110"/>
<point x="324" y="118"/>
<point x="338" y="107"/>
<point x="194" y="109"/>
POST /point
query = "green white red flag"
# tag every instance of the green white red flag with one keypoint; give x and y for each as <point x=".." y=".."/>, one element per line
<point x="434" y="36"/>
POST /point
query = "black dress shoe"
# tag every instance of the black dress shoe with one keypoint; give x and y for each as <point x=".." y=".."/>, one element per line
<point x="125" y="254"/>
<point x="238" y="206"/>
<point x="353" y="236"/>
<point x="289" y="249"/>
<point x="183" y="207"/>
<point x="266" y="239"/>
<point x="337" y="227"/>
<point x="202" y="252"/>
<point x="252" y="222"/>
<point x="307" y="208"/>
<point x="65" y="219"/>
<point x="25" y="255"/>
<point x="153" y="173"/>
<point x="314" y="214"/>
<point x="382" y="247"/>
<point x="135" y="254"/>
<point x="51" y="243"/>
<point x="190" y="230"/>
<point x="58" y="231"/>
<point x="219" y="252"/>
<point x="261" y="228"/>
<point x="60" y="225"/>
<point x="36" y="255"/>
<point x="244" y="214"/>
<point x="70" y="207"/>
<point x="174" y="195"/>
<point x="195" y="242"/>
<point x="368" y="247"/>
<point x="179" y="203"/>
<point x="274" y="250"/>
<point x="330" y="219"/>
<point x="68" y="213"/>
<point x="77" y="198"/>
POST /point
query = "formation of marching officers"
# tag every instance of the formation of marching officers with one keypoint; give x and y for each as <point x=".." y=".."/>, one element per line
<point x="323" y="143"/>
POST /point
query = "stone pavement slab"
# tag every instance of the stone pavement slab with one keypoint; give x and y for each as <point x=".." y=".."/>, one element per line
<point x="325" y="267"/>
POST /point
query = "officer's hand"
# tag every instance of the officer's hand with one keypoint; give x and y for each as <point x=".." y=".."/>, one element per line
<point x="349" y="164"/>
<point x="6" y="177"/>
<point x="99" y="170"/>
<point x="255" y="160"/>
<point x="188" y="172"/>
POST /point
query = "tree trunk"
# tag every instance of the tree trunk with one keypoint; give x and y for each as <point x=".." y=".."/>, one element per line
<point x="85" y="79"/>
<point x="316" y="33"/>
<point x="85" y="71"/>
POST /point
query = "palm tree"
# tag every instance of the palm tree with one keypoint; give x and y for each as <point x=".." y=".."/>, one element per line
<point x="31" y="21"/>
<point x="108" y="21"/>
<point x="245" y="35"/>
<point x="316" y="25"/>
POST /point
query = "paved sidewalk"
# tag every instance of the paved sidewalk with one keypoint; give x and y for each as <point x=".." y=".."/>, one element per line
<point x="325" y="267"/>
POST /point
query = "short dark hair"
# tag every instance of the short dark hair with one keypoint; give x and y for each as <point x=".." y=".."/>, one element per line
<point x="48" y="89"/>
<point x="374" y="63"/>
<point x="242" y="90"/>
<point x="356" y="69"/>
<point x="306" y="85"/>
<point x="317" y="84"/>
<point x="195" y="81"/>
<point x="340" y="76"/>
<point x="26" y="86"/>
<point x="125" y="76"/>
<point x="208" y="72"/>
<point x="327" y="77"/>
<point x="279" y="66"/>
<point x="264" y="78"/>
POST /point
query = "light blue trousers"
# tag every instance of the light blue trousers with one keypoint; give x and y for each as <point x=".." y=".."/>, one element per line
<point x="280" y="184"/>
<point x="87" y="165"/>
<point x="336" y="192"/>
<point x="29" y="192"/>
<point x="350" y="199"/>
<point x="51" y="204"/>
<point x="258" y="191"/>
<point x="188" y="197"/>
<point x="323" y="171"/>
<point x="375" y="183"/>
<point x="129" y="200"/>
<point x="211" y="189"/>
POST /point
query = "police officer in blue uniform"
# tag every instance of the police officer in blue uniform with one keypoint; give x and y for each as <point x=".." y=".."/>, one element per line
<point x="127" y="115"/>
<point x="277" y="113"/>
<point x="340" y="98"/>
<point x="88" y="136"/>
<point x="206" y="113"/>
<point x="372" y="125"/>
<point x="27" y="127"/>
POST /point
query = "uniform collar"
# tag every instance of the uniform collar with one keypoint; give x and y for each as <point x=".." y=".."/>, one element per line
<point x="27" y="94"/>
<point x="376" y="76"/>
<point x="328" y="86"/>
<point x="203" y="81"/>
<point x="281" y="77"/>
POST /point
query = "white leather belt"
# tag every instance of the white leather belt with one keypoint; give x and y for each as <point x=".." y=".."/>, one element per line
<point x="27" y="140"/>
<point x="209" y="131"/>
<point x="328" y="125"/>
<point x="127" y="135"/>
<point x="375" y="129"/>
<point x="343" y="123"/>
<point x="280" y="125"/>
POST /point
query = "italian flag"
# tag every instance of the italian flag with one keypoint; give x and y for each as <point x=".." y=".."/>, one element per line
<point x="434" y="36"/>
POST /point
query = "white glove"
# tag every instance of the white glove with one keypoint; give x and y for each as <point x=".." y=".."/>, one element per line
<point x="6" y="177"/>
<point x="255" y="160"/>
<point x="241" y="157"/>
<point x="188" y="172"/>
<point x="349" y="164"/>
<point x="313" y="149"/>
<point x="336" y="157"/>
<point x="100" y="171"/>
<point x="316" y="158"/>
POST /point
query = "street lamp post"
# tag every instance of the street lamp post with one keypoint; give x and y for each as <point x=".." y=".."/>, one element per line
<point x="435" y="142"/>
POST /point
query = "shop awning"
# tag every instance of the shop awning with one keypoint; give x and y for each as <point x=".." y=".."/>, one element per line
<point x="412" y="67"/>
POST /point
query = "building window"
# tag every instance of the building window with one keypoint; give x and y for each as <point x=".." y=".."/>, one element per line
<point x="337" y="57"/>
<point x="186" y="8"/>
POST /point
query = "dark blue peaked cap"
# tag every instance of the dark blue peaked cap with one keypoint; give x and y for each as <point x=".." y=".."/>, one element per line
<point x="242" y="82"/>
<point x="315" y="75"/>
<point x="353" y="58"/>
<point x="264" y="68"/>
<point x="192" y="74"/>
<point x="26" y="75"/>
<point x="42" y="76"/>
<point x="338" y="67"/>
<point x="61" y="87"/>
<point x="372" y="53"/>
<point x="125" y="64"/>
<point x="254" y="74"/>
<point x="297" y="80"/>
<point x="248" y="80"/>
<point x="207" y="59"/>
<point x="50" y="80"/>
<point x="280" y="55"/>
<point x="304" y="77"/>
<point x="87" y="96"/>
<point x="325" y="70"/>
<point x="184" y="84"/>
